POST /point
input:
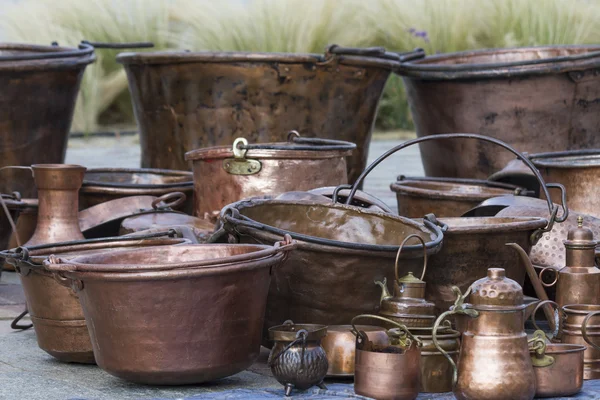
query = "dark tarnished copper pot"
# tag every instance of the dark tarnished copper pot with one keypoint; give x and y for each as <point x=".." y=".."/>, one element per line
<point x="104" y="184"/>
<point x="55" y="310"/>
<point x="190" y="100"/>
<point x="341" y="250"/>
<point x="444" y="197"/>
<point x="187" y="314"/>
<point x="483" y="91"/>
<point x="250" y="170"/>
<point x="39" y="88"/>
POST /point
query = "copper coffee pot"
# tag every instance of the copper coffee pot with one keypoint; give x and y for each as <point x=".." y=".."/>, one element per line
<point x="579" y="281"/>
<point x="408" y="305"/>
<point x="494" y="361"/>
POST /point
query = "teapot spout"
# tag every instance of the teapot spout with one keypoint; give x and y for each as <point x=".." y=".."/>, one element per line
<point x="385" y="294"/>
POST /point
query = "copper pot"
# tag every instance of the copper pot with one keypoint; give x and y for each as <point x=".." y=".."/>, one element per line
<point x="55" y="310"/>
<point x="451" y="93"/>
<point x="249" y="170"/>
<point x="297" y="359"/>
<point x="104" y="184"/>
<point x="444" y="197"/>
<point x="390" y="370"/>
<point x="340" y="250"/>
<point x="340" y="347"/>
<point x="494" y="360"/>
<point x="257" y="96"/>
<point x="582" y="327"/>
<point x="211" y="297"/>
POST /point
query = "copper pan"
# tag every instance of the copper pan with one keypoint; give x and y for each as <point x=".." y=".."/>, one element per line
<point x="187" y="314"/>
<point x="537" y="99"/>
<point x="55" y="310"/>
<point x="104" y="184"/>
<point x="247" y="170"/>
<point x="472" y="245"/>
<point x="564" y="377"/>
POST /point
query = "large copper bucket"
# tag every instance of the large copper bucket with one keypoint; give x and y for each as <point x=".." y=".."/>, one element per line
<point x="187" y="314"/>
<point x="341" y="250"/>
<point x="537" y="99"/>
<point x="247" y="170"/>
<point x="185" y="100"/>
<point x="39" y="88"/>
<point x="55" y="310"/>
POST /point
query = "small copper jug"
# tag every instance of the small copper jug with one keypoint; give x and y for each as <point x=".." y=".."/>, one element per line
<point x="579" y="281"/>
<point x="408" y="305"/>
<point x="494" y="361"/>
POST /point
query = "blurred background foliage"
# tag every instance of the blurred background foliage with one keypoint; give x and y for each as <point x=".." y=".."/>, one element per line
<point x="438" y="26"/>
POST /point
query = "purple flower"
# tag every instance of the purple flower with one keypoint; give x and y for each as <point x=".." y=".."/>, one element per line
<point x="419" y="34"/>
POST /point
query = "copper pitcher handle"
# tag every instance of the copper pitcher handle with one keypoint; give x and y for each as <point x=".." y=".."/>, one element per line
<point x="556" y="327"/>
<point x="556" y="276"/>
<point x="553" y="209"/>
<point x="584" y="332"/>
<point x="402" y="327"/>
<point x="414" y="235"/>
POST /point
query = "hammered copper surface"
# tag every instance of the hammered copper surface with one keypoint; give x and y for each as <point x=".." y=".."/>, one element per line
<point x="185" y="101"/>
<point x="187" y="314"/>
<point x="330" y="282"/>
<point x="578" y="171"/>
<point x="281" y="171"/>
<point x="201" y="228"/>
<point x="444" y="199"/>
<point x="471" y="246"/>
<point x="483" y="91"/>
<point x="104" y="184"/>
<point x="565" y="376"/>
<point x="572" y="334"/>
<point x="36" y="107"/>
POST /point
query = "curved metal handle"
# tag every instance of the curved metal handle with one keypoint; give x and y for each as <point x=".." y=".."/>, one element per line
<point x="557" y="327"/>
<point x="294" y="142"/>
<point x="556" y="276"/>
<point x="552" y="209"/>
<point x="130" y="45"/>
<point x="584" y="329"/>
<point x="378" y="52"/>
<point x="178" y="198"/>
<point x="384" y="319"/>
<point x="15" y="322"/>
<point x="414" y="235"/>
<point x="12" y="223"/>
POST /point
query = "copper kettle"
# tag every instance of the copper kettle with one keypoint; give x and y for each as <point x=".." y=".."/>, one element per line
<point x="578" y="282"/>
<point x="408" y="305"/>
<point x="494" y="361"/>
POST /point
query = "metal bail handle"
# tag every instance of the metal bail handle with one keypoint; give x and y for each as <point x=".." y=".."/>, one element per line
<point x="376" y="52"/>
<point x="403" y="328"/>
<point x="552" y="209"/>
<point x="414" y="235"/>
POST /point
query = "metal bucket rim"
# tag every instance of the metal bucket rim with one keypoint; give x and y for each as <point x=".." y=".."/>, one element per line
<point x="430" y="68"/>
<point x="566" y="159"/>
<point x="73" y="57"/>
<point x="405" y="188"/>
<point x="92" y="185"/>
<point x="223" y="152"/>
<point x="424" y="226"/>
<point x="562" y="348"/>
<point x="516" y="224"/>
<point x="579" y="309"/>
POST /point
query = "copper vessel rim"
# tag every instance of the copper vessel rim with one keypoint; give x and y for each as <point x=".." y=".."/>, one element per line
<point x="562" y="348"/>
<point x="581" y="309"/>
<point x="333" y="329"/>
<point x="433" y="67"/>
<point x="57" y="167"/>
<point x="407" y="188"/>
<point x="511" y="224"/>
<point x="223" y="152"/>
<point x="282" y="333"/>
<point x="70" y="57"/>
<point x="90" y="184"/>
<point x="567" y="159"/>
<point x="428" y="227"/>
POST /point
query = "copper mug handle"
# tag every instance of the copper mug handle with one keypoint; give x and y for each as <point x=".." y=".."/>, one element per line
<point x="584" y="332"/>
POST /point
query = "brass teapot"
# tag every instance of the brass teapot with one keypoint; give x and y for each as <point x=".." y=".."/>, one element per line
<point x="408" y="305"/>
<point x="494" y="361"/>
<point x="578" y="282"/>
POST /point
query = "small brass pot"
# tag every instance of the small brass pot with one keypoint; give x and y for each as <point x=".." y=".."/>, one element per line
<point x="436" y="370"/>
<point x="564" y="377"/>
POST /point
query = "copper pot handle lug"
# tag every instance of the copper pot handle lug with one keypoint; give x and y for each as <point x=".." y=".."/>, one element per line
<point x="178" y="198"/>
<point x="584" y="329"/>
<point x="414" y="235"/>
<point x="539" y="359"/>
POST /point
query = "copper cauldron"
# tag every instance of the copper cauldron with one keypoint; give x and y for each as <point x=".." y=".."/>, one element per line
<point x="104" y="184"/>
<point x="341" y="250"/>
<point x="483" y="91"/>
<point x="187" y="314"/>
<point x="220" y="96"/>
<point x="55" y="310"/>
<point x="444" y="197"/>
<point x="250" y="170"/>
<point x="472" y="245"/>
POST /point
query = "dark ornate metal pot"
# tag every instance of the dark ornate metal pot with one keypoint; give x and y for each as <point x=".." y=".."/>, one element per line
<point x="189" y="100"/>
<point x="451" y="93"/>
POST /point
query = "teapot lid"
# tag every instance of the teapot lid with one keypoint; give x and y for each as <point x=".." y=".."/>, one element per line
<point x="410" y="278"/>
<point x="496" y="290"/>
<point x="580" y="236"/>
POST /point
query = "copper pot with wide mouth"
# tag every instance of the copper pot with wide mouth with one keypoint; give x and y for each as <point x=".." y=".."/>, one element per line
<point x="472" y="245"/>
<point x="104" y="184"/>
<point x="341" y="249"/>
<point x="390" y="370"/>
<point x="581" y="326"/>
<point x="248" y="170"/>
<point x="257" y="96"/>
<point x="188" y="314"/>
<point x="451" y="93"/>
<point x="55" y="310"/>
<point x="444" y="197"/>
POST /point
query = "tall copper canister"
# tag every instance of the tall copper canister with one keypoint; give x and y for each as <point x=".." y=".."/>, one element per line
<point x="537" y="99"/>
<point x="494" y="361"/>
<point x="575" y="324"/>
<point x="39" y="88"/>
<point x="189" y="100"/>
